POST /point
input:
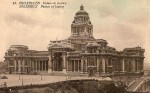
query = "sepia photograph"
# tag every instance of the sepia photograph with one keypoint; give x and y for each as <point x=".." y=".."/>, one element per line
<point x="75" y="46"/>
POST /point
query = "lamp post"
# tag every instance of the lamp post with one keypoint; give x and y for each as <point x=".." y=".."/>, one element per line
<point x="19" y="76"/>
<point x="22" y="81"/>
<point x="41" y="77"/>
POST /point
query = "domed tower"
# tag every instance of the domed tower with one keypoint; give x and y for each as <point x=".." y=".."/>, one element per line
<point x="81" y="30"/>
<point x="81" y="25"/>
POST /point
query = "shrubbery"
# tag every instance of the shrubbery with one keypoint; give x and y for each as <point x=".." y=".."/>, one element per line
<point x="80" y="86"/>
<point x="4" y="77"/>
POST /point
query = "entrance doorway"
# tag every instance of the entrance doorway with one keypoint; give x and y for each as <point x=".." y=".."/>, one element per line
<point x="91" y="72"/>
<point x="10" y="70"/>
<point x="58" y="62"/>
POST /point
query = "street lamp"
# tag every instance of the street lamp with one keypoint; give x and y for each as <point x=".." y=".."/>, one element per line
<point x="22" y="81"/>
<point x="19" y="76"/>
<point x="41" y="77"/>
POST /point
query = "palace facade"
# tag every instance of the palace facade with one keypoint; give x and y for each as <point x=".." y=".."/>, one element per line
<point x="79" y="54"/>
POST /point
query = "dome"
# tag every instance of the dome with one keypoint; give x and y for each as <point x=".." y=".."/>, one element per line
<point x="81" y="11"/>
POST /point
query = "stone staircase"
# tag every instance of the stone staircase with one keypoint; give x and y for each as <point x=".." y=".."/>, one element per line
<point x="134" y="85"/>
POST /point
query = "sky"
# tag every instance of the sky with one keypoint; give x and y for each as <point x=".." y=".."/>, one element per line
<point x="123" y="23"/>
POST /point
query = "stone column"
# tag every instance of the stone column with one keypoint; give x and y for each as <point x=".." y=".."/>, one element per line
<point x="64" y="63"/>
<point x="86" y="64"/>
<point x="123" y="65"/>
<point x="42" y="65"/>
<point x="50" y="63"/>
<point x="15" y="66"/>
<point x="23" y="65"/>
<point x="142" y="64"/>
<point x="106" y="64"/>
<point x="33" y="65"/>
<point x="39" y="63"/>
<point x="82" y="64"/>
<point x="19" y="67"/>
<point x="45" y="65"/>
<point x="103" y="63"/>
<point x="98" y="62"/>
<point x="67" y="66"/>
<point x="137" y="64"/>
<point x="133" y="65"/>
<point x="70" y="65"/>
<point x="74" y="66"/>
<point x="78" y="65"/>
<point x="30" y="64"/>
<point x="54" y="64"/>
<point x="36" y="65"/>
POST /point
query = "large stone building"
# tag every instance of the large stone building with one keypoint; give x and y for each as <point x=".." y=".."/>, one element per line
<point x="79" y="54"/>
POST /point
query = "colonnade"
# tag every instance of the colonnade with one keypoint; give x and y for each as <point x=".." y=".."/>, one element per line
<point x="99" y="64"/>
<point x="74" y="65"/>
<point x="102" y="64"/>
<point x="40" y="65"/>
<point x="23" y="65"/>
<point x="131" y="64"/>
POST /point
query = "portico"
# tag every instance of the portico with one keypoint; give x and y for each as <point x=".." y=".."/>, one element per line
<point x="58" y="56"/>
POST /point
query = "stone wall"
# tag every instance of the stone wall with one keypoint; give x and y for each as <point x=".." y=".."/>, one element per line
<point x="73" y="86"/>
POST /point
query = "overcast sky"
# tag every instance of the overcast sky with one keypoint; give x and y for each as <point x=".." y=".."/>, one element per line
<point x="123" y="23"/>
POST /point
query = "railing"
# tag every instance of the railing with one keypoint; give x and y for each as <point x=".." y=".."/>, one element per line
<point x="140" y="86"/>
<point x="131" y="83"/>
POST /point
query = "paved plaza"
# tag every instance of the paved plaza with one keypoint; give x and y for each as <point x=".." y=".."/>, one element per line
<point x="18" y="80"/>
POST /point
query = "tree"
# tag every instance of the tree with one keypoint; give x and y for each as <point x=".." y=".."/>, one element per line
<point x="3" y="67"/>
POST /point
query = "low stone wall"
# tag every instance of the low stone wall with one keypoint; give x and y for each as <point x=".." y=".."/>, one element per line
<point x="71" y="86"/>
